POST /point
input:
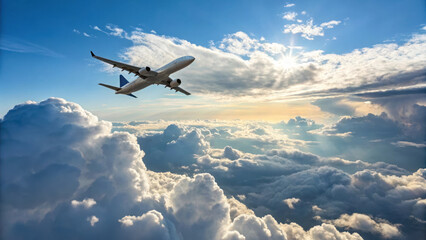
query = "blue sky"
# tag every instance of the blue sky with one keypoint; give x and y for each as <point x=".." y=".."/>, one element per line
<point x="43" y="55"/>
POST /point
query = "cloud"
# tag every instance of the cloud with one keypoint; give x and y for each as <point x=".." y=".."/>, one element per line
<point x="84" y="33"/>
<point x="308" y="30"/>
<point x="252" y="227"/>
<point x="370" y="126"/>
<point x="290" y="16"/>
<point x="64" y="169"/>
<point x="335" y="106"/>
<point x="175" y="147"/>
<point x="365" y="192"/>
<point x="289" y="5"/>
<point x="237" y="208"/>
<point x="241" y="66"/>
<point x="404" y="105"/>
<point x="116" y="31"/>
<point x="254" y="174"/>
<point x="291" y="201"/>
<point x="393" y="92"/>
<point x="330" y="24"/>
<point x="409" y="144"/>
<point x="150" y="225"/>
<point x="324" y="231"/>
<point x="93" y="220"/>
<point x="56" y="152"/>
<point x="12" y="44"/>
<point x="86" y="203"/>
<point x="365" y="223"/>
<point x="191" y="199"/>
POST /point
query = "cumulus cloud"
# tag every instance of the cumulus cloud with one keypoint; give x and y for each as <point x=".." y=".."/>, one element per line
<point x="367" y="192"/>
<point x="64" y="169"/>
<point x="191" y="199"/>
<point x="291" y="201"/>
<point x="252" y="227"/>
<point x="150" y="225"/>
<point x="365" y="223"/>
<point x="290" y="16"/>
<point x="93" y="220"/>
<point x="86" y="203"/>
<point x="324" y="231"/>
<point x="56" y="152"/>
<point x="370" y="126"/>
<point x="308" y="30"/>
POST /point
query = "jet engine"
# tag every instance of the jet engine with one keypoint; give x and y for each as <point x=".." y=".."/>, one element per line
<point x="175" y="83"/>
<point x="147" y="72"/>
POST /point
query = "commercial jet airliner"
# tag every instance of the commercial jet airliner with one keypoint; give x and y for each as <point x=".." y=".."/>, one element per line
<point x="147" y="77"/>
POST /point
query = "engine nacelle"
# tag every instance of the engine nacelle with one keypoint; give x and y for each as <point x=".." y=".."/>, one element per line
<point x="175" y="83"/>
<point x="147" y="72"/>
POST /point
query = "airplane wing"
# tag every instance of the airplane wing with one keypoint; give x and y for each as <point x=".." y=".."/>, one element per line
<point x="126" y="67"/>
<point x="181" y="90"/>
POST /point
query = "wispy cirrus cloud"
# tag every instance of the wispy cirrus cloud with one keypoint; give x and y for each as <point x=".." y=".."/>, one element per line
<point x="12" y="44"/>
<point x="82" y="33"/>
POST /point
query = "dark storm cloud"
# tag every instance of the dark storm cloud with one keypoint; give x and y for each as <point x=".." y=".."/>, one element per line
<point x="335" y="106"/>
<point x="393" y="92"/>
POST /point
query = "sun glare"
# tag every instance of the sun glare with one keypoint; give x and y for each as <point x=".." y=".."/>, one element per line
<point x="288" y="62"/>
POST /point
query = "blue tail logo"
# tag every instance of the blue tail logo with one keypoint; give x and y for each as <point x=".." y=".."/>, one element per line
<point x="123" y="81"/>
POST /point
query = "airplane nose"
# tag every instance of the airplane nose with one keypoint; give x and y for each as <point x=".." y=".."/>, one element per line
<point x="191" y="58"/>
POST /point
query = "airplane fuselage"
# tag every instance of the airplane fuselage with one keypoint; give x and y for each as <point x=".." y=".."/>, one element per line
<point x="161" y="77"/>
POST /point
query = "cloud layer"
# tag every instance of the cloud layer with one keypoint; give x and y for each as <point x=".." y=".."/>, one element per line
<point x="240" y="66"/>
<point x="63" y="169"/>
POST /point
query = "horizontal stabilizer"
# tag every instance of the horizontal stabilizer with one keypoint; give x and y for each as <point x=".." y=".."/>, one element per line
<point x="131" y="95"/>
<point x="178" y="89"/>
<point x="110" y="87"/>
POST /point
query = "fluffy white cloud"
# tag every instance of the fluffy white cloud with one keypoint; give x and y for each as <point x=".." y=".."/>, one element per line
<point x="237" y="208"/>
<point x="93" y="220"/>
<point x="308" y="30"/>
<point x="252" y="227"/>
<point x="63" y="169"/>
<point x="365" y="223"/>
<point x="324" y="231"/>
<point x="200" y="207"/>
<point x="86" y="203"/>
<point x="290" y="16"/>
<point x="393" y="198"/>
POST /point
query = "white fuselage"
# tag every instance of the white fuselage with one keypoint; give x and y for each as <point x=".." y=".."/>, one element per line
<point x="161" y="77"/>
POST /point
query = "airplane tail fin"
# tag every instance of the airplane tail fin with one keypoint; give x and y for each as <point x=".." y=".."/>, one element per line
<point x="110" y="87"/>
<point x="123" y="81"/>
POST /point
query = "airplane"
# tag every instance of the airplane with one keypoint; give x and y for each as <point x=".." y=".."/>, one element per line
<point x="147" y="77"/>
